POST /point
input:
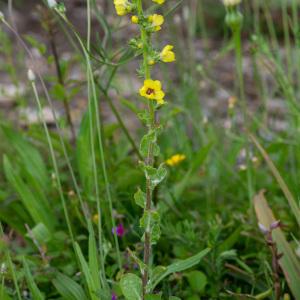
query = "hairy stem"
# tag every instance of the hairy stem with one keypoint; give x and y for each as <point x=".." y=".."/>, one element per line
<point x="149" y="160"/>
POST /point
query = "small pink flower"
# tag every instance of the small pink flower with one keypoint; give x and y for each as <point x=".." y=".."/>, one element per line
<point x="114" y="296"/>
<point x="119" y="230"/>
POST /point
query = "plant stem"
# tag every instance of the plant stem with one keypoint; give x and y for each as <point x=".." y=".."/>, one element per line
<point x="62" y="83"/>
<point x="239" y="69"/>
<point x="149" y="160"/>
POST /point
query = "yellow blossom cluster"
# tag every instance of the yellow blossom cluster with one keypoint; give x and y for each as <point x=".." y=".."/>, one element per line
<point x="175" y="160"/>
<point x="152" y="89"/>
<point x="122" y="7"/>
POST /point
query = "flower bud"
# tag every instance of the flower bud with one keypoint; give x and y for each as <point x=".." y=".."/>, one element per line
<point x="134" y="19"/>
<point x="228" y="3"/>
<point x="1" y="16"/>
<point x="234" y="20"/>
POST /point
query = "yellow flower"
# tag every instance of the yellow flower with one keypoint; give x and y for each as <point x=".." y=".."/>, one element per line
<point x="175" y="160"/>
<point x="167" y="55"/>
<point x="134" y="19"/>
<point x="151" y="62"/>
<point x="152" y="91"/>
<point x="157" y="21"/>
<point x="122" y="7"/>
<point x="159" y="1"/>
<point x="96" y="218"/>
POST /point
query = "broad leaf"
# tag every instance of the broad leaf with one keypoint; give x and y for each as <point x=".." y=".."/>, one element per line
<point x="131" y="286"/>
<point x="68" y="288"/>
<point x="179" y="266"/>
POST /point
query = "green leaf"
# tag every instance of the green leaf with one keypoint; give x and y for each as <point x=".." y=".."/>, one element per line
<point x="3" y="293"/>
<point x="34" y="290"/>
<point x="150" y="221"/>
<point x="153" y="297"/>
<point x="131" y="286"/>
<point x="90" y="281"/>
<point x="35" y="207"/>
<point x="84" y="159"/>
<point x="58" y="92"/>
<point x="68" y="288"/>
<point x="174" y="298"/>
<point x="155" y="233"/>
<point x="144" y="116"/>
<point x="93" y="257"/>
<point x="179" y="266"/>
<point x="40" y="233"/>
<point x="289" y="196"/>
<point x="140" y="198"/>
<point x="156" y="176"/>
<point x="31" y="160"/>
<point x="197" y="281"/>
<point x="149" y="139"/>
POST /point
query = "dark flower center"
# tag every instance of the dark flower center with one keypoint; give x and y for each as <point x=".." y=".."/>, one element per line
<point x="150" y="91"/>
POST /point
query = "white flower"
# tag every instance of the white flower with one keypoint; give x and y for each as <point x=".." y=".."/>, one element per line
<point x="31" y="75"/>
<point x="231" y="2"/>
<point x="52" y="3"/>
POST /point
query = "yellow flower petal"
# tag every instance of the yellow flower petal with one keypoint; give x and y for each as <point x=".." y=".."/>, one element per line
<point x="152" y="90"/>
<point x="167" y="55"/>
<point x="134" y="19"/>
<point x="159" y="1"/>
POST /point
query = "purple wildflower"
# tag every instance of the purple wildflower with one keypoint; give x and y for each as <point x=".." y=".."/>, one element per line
<point x="119" y="230"/>
<point x="114" y="296"/>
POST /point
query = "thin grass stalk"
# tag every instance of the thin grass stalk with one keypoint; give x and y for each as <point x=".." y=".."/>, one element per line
<point x="239" y="69"/>
<point x="59" y="131"/>
<point x="92" y="89"/>
<point x="271" y="27"/>
<point x="287" y="41"/>
<point x="62" y="83"/>
<point x="48" y="138"/>
<point x="91" y="119"/>
<point x="54" y="161"/>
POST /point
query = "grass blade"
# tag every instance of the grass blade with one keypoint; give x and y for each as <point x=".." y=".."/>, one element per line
<point x="289" y="196"/>
<point x="289" y="262"/>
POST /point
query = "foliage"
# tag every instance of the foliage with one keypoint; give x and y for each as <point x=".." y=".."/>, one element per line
<point x="93" y="207"/>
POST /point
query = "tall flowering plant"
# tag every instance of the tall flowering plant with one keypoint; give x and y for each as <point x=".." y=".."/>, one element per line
<point x="152" y="91"/>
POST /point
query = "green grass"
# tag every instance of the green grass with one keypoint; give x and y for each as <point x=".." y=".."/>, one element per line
<point x="61" y="199"/>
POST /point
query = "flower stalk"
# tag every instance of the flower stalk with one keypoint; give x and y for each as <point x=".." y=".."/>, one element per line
<point x="151" y="91"/>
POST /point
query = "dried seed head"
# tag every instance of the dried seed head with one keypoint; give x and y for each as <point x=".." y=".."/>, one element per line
<point x="52" y="3"/>
<point x="31" y="75"/>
